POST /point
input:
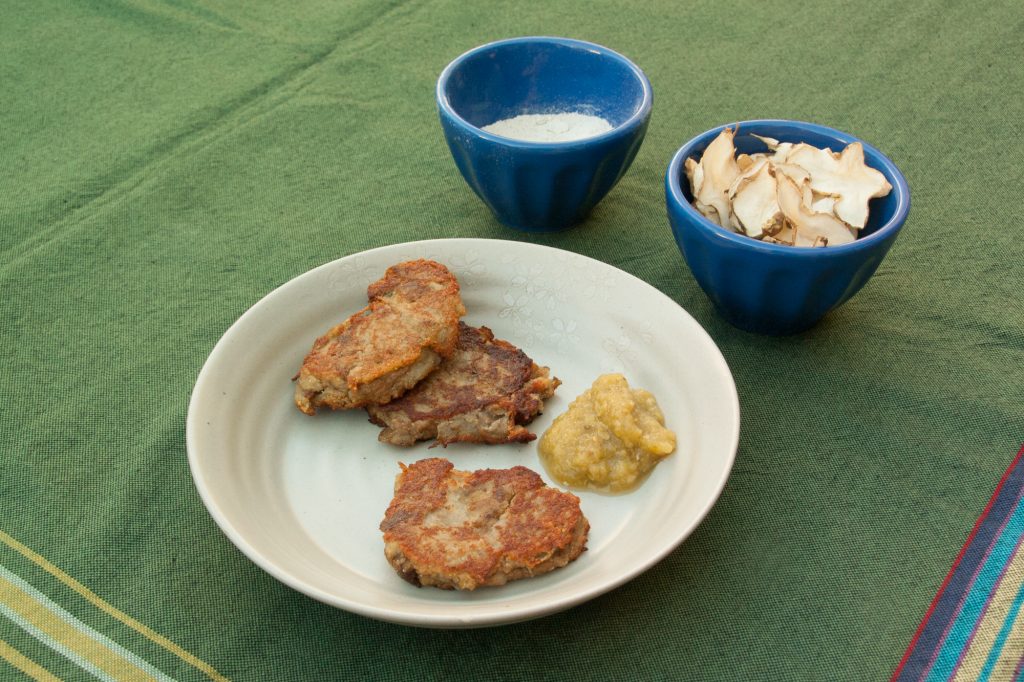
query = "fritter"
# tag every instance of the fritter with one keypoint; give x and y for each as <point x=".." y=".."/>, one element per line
<point x="483" y="393"/>
<point x="462" y="530"/>
<point x="376" y="355"/>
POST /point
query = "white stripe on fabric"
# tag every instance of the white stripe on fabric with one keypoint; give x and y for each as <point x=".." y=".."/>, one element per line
<point x="78" y="625"/>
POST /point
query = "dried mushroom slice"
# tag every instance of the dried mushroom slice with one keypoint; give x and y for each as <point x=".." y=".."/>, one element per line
<point x="755" y="204"/>
<point x="795" y="173"/>
<point x="745" y="176"/>
<point x="786" y="236"/>
<point x="808" y="224"/>
<point x="708" y="212"/>
<point x="793" y="194"/>
<point x="695" y="174"/>
<point x="769" y="142"/>
<point x="825" y="204"/>
<point x="780" y="150"/>
<point x="719" y="169"/>
<point x="844" y="176"/>
<point x="806" y="195"/>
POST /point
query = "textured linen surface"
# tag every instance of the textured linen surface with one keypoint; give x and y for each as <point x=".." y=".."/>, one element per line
<point x="166" y="164"/>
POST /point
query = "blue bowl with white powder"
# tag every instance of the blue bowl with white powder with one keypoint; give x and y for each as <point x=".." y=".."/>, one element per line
<point x="543" y="128"/>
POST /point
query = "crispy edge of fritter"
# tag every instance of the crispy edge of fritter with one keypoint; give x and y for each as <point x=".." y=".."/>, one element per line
<point x="356" y="375"/>
<point x="505" y="415"/>
<point x="423" y="487"/>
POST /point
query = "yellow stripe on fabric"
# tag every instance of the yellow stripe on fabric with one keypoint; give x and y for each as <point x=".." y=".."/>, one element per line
<point x="47" y="622"/>
<point x="25" y="664"/>
<point x="111" y="611"/>
<point x="988" y="629"/>
<point x="1010" y="655"/>
<point x="66" y="617"/>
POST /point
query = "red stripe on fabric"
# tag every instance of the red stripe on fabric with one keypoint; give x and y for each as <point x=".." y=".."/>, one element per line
<point x="956" y="562"/>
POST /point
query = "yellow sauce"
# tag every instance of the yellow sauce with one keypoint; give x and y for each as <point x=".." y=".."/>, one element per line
<point x="609" y="439"/>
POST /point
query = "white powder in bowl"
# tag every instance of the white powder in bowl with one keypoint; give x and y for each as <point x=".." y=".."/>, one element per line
<point x="564" y="127"/>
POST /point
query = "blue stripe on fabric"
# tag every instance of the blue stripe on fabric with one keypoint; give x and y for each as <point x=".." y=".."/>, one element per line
<point x="978" y="596"/>
<point x="1004" y="632"/>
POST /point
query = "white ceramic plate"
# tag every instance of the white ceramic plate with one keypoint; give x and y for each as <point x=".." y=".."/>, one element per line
<point x="303" y="496"/>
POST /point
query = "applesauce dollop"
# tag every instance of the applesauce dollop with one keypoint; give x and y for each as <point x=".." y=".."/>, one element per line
<point x="609" y="440"/>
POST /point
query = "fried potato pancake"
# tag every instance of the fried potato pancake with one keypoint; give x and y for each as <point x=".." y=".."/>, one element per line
<point x="483" y="393"/>
<point x="410" y="325"/>
<point x="462" y="530"/>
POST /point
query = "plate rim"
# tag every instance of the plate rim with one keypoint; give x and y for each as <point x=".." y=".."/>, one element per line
<point x="441" y="620"/>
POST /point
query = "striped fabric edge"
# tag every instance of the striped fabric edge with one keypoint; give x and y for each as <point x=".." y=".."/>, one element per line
<point x="979" y="581"/>
<point x="26" y="665"/>
<point x="74" y="637"/>
<point x="59" y="630"/>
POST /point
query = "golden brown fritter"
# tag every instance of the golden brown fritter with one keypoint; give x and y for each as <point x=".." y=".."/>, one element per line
<point x="461" y="530"/>
<point x="409" y="327"/>
<point x="483" y="393"/>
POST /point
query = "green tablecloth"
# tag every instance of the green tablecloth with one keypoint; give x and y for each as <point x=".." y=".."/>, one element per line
<point x="166" y="164"/>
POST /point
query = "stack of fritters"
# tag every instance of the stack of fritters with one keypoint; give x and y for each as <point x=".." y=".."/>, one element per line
<point x="420" y="372"/>
<point x="462" y="530"/>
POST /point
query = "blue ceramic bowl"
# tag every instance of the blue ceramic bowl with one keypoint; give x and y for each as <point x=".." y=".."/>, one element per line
<point x="541" y="186"/>
<point x="771" y="288"/>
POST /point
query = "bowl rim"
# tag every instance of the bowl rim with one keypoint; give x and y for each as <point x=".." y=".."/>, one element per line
<point x="674" y="192"/>
<point x="638" y="118"/>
